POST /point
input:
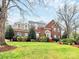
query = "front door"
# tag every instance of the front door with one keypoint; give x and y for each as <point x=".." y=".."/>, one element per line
<point x="48" y="34"/>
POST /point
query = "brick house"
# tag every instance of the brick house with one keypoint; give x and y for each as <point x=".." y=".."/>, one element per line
<point x="51" y="30"/>
<point x="20" y="29"/>
<point x="54" y="29"/>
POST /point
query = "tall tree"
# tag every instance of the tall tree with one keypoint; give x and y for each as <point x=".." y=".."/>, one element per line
<point x="69" y="15"/>
<point x="2" y="22"/>
<point x="32" y="34"/>
<point x="9" y="32"/>
<point x="8" y="4"/>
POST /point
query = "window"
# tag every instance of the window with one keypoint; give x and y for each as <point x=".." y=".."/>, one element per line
<point x="25" y="27"/>
<point x="55" y="36"/>
<point x="58" y="36"/>
<point x="19" y="34"/>
<point x="37" y="35"/>
<point x="58" y="30"/>
<point x="54" y="29"/>
<point x="26" y="34"/>
<point x="18" y="25"/>
<point x="52" y="26"/>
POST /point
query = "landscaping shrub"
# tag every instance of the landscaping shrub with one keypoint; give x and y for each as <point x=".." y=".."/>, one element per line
<point x="9" y="33"/>
<point x="56" y="39"/>
<point x="64" y="36"/>
<point x="32" y="33"/>
<point x="21" y="38"/>
<point x="43" y="39"/>
<point x="25" y="38"/>
<point x="77" y="41"/>
<point x="33" y="40"/>
<point x="68" y="41"/>
<point x="14" y="38"/>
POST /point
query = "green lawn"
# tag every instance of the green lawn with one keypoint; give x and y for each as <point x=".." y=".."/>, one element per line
<point x="37" y="50"/>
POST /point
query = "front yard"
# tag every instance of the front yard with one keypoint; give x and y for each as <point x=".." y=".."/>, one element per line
<point x="39" y="50"/>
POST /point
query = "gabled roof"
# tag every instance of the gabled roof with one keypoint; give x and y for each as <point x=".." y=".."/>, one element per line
<point x="50" y="24"/>
<point x="36" y="22"/>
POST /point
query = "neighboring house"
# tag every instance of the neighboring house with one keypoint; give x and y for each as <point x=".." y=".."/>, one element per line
<point x="35" y="24"/>
<point x="51" y="30"/>
<point x="20" y="29"/>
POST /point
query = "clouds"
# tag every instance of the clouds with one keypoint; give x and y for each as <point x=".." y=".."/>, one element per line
<point x="45" y="13"/>
<point x="57" y="3"/>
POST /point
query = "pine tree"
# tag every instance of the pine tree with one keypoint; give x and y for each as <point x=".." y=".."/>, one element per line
<point x="32" y="34"/>
<point x="9" y="32"/>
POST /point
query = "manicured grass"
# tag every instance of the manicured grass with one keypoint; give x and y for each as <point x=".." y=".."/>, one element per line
<point x="39" y="50"/>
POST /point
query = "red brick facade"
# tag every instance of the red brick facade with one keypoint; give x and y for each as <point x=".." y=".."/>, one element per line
<point x="52" y="29"/>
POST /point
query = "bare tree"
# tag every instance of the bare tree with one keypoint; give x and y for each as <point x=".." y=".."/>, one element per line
<point x="8" y="4"/>
<point x="2" y="22"/>
<point x="69" y="15"/>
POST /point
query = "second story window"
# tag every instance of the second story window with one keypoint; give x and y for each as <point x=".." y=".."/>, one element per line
<point x="18" y="25"/>
<point x="54" y="29"/>
<point x="25" y="26"/>
<point x="58" y="30"/>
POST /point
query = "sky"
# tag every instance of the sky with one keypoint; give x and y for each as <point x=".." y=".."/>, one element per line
<point x="42" y="13"/>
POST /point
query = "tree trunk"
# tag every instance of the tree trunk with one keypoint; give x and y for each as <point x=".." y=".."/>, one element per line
<point x="2" y="22"/>
<point x="2" y="36"/>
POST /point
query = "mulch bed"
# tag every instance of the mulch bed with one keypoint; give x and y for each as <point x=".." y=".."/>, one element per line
<point x="6" y="48"/>
<point x="71" y="45"/>
<point x="76" y="46"/>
